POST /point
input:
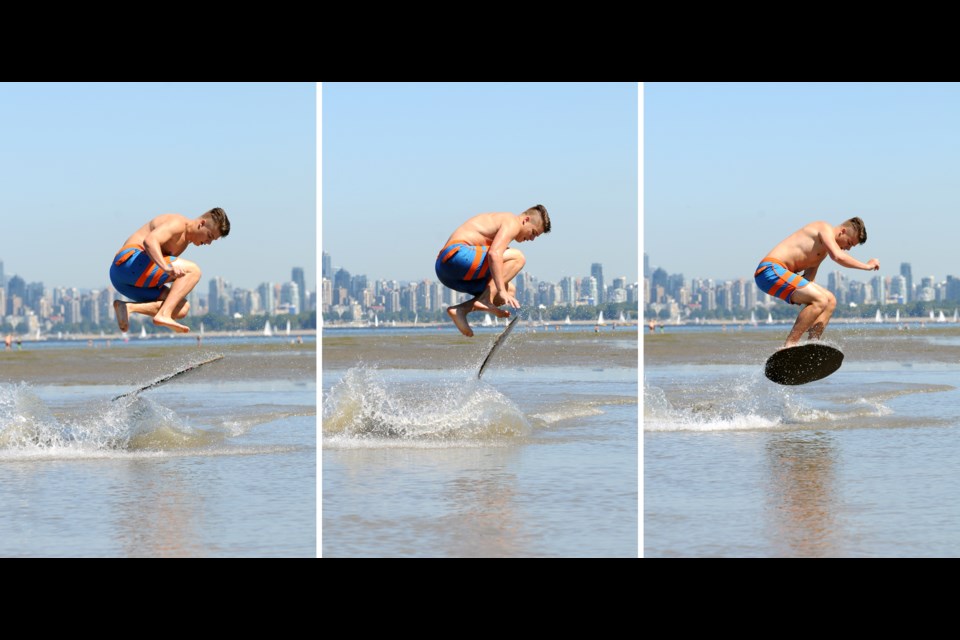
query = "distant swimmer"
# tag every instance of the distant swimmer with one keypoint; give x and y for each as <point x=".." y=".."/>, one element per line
<point x="477" y="260"/>
<point x="149" y="260"/>
<point x="779" y="274"/>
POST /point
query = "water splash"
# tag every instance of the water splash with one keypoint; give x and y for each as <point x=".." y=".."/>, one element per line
<point x="134" y="424"/>
<point x="363" y="406"/>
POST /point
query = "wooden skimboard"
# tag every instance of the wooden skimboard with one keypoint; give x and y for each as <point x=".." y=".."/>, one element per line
<point x="803" y="363"/>
<point x="182" y="371"/>
<point x="496" y="344"/>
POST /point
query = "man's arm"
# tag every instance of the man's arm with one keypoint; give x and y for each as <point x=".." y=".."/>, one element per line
<point x="156" y="237"/>
<point x="508" y="230"/>
<point x="841" y="257"/>
<point x="811" y="273"/>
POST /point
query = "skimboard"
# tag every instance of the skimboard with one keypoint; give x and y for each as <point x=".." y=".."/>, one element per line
<point x="170" y="377"/>
<point x="803" y="363"/>
<point x="496" y="344"/>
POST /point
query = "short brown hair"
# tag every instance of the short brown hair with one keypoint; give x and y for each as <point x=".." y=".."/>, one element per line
<point x="219" y="218"/>
<point x="542" y="212"/>
<point x="858" y="228"/>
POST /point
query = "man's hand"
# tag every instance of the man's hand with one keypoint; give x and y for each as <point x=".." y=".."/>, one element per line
<point x="175" y="271"/>
<point x="874" y="264"/>
<point x="510" y="300"/>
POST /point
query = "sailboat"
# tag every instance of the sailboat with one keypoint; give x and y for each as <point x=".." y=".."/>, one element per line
<point x="143" y="332"/>
<point x="941" y="318"/>
<point x="600" y="320"/>
<point x="879" y="317"/>
<point x="288" y="327"/>
<point x="416" y="317"/>
<point x="955" y="315"/>
<point x="201" y="327"/>
<point x="376" y="320"/>
<point x="898" y="316"/>
<point x="753" y="318"/>
<point x="622" y="319"/>
<point x="486" y="320"/>
<point x="931" y="315"/>
<point x="769" y="318"/>
<point x="38" y="333"/>
<point x="267" y="331"/>
<point x="567" y="321"/>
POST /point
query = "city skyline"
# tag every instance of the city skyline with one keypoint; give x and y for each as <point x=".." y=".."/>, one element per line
<point x="86" y="164"/>
<point x="405" y="164"/>
<point x="731" y="169"/>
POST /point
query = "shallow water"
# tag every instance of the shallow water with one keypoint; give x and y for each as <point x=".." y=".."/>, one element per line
<point x="422" y="459"/>
<point x="862" y="463"/>
<point x="217" y="462"/>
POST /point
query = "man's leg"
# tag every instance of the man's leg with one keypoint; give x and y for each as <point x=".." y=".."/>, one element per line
<point x="490" y="300"/>
<point x="815" y="316"/>
<point x="176" y="296"/>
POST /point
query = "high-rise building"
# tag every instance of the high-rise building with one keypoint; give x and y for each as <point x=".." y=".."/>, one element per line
<point x="327" y="266"/>
<point x="297" y="276"/>
<point x="290" y="296"/>
<point x="646" y="266"/>
<point x="907" y="274"/>
<point x="268" y="302"/>
<point x="596" y="270"/>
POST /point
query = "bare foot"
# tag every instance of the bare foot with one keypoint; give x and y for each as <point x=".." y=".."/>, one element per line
<point x="170" y="323"/>
<point x="459" y="316"/>
<point x="123" y="319"/>
<point x="489" y="308"/>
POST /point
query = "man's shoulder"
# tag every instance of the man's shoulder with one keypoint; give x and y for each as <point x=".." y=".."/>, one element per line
<point x="169" y="219"/>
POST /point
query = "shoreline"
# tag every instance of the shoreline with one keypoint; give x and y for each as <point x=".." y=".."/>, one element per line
<point x="192" y="336"/>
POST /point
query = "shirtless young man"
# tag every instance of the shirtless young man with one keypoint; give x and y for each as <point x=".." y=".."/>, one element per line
<point x="476" y="260"/>
<point x="804" y="250"/>
<point x="148" y="260"/>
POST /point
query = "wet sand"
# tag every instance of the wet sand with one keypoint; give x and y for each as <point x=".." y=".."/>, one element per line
<point x="137" y="365"/>
<point x="444" y="350"/>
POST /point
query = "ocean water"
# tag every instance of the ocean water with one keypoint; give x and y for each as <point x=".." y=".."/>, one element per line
<point x="537" y="459"/>
<point x="860" y="464"/>
<point x="218" y="462"/>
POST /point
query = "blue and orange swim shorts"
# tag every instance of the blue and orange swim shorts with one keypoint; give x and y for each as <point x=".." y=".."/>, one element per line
<point x="773" y="277"/>
<point x="135" y="275"/>
<point x="464" y="267"/>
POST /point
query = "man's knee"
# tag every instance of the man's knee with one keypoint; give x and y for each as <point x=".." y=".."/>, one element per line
<point x="189" y="267"/>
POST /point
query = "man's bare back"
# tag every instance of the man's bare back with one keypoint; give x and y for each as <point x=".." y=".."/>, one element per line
<point x="482" y="229"/>
<point x="173" y="224"/>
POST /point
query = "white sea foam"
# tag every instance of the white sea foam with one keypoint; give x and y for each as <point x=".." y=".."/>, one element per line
<point x="28" y="429"/>
<point x="362" y="406"/>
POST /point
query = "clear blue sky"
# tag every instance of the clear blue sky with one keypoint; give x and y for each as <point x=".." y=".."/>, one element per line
<point x="732" y="169"/>
<point x="405" y="164"/>
<point x="82" y="166"/>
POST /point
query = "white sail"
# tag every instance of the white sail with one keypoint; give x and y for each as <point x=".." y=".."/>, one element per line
<point x="941" y="317"/>
<point x="769" y="318"/>
<point x="931" y="315"/>
<point x="600" y="320"/>
<point x="955" y="315"/>
<point x="143" y="332"/>
<point x="288" y="327"/>
<point x="267" y="331"/>
<point x="567" y="321"/>
<point x="753" y="318"/>
<point x="201" y="327"/>
<point x="898" y="315"/>
<point x="486" y="320"/>
<point x="879" y="317"/>
<point x="376" y="320"/>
